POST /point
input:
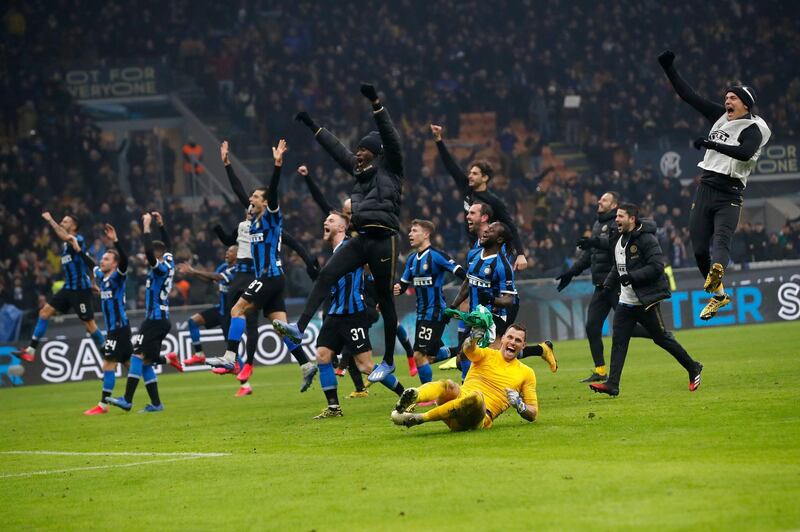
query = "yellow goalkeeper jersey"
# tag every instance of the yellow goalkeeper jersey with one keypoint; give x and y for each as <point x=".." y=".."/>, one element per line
<point x="490" y="374"/>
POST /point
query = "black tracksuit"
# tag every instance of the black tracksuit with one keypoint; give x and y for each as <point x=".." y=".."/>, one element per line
<point x="499" y="208"/>
<point x="645" y="266"/>
<point x="375" y="202"/>
<point x="718" y="199"/>
<point x="600" y="257"/>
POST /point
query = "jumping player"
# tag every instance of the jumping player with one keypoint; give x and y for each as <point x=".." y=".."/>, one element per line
<point x="76" y="294"/>
<point x="733" y="146"/>
<point x="377" y="167"/>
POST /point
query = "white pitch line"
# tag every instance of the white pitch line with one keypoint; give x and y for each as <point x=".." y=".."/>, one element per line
<point x="178" y="457"/>
<point x="79" y="453"/>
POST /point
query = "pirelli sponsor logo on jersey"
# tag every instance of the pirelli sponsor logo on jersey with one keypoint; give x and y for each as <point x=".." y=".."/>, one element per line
<point x="257" y="237"/>
<point x="423" y="281"/>
<point x="106" y="294"/>
<point x="66" y="259"/>
<point x="477" y="281"/>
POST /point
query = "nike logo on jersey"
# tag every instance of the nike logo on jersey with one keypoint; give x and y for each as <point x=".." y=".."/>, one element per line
<point x="385" y="260"/>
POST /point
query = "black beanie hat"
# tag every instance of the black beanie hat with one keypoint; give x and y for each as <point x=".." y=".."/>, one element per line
<point x="746" y="94"/>
<point x="372" y="142"/>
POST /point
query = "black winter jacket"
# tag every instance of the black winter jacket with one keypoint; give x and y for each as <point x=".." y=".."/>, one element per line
<point x="378" y="190"/>
<point x="645" y="265"/>
<point x="601" y="255"/>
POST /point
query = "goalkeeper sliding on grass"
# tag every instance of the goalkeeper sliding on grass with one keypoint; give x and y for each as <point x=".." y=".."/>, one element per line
<point x="495" y="382"/>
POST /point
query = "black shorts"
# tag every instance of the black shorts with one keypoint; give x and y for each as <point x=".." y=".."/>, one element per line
<point x="267" y="294"/>
<point x="212" y="317"/>
<point x="350" y="331"/>
<point x="428" y="336"/>
<point x="118" y="347"/>
<point x="240" y="282"/>
<point x="148" y="340"/>
<point x="80" y="301"/>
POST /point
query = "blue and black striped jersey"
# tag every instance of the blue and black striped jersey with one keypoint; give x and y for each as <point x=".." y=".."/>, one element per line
<point x="476" y="247"/>
<point x="347" y="295"/>
<point x="227" y="273"/>
<point x="158" y="287"/>
<point x="492" y="274"/>
<point x="426" y="271"/>
<point x="112" y="298"/>
<point x="265" y="243"/>
<point x="73" y="263"/>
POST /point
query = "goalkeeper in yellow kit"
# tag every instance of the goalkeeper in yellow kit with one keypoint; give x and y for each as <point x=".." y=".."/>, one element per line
<point x="495" y="382"/>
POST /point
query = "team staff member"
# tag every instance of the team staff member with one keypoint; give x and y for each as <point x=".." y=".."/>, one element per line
<point x="638" y="273"/>
<point x="496" y="382"/>
<point x="597" y="254"/>
<point x="733" y="146"/>
<point x="111" y="277"/>
<point x="377" y="167"/>
<point x="475" y="188"/>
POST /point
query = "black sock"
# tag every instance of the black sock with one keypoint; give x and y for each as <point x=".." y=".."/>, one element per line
<point x="302" y="323"/>
<point x="332" y="397"/>
<point x="233" y="345"/>
<point x="105" y="396"/>
<point x="398" y="388"/>
<point x="355" y="374"/>
<point x="34" y="343"/>
<point x="408" y="347"/>
<point x="197" y="347"/>
<point x="300" y="355"/>
<point x="531" y="351"/>
<point x="130" y="388"/>
<point x="453" y="351"/>
<point x="152" y="391"/>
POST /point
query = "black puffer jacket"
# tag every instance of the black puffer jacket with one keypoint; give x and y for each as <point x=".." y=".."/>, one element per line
<point x="601" y="255"/>
<point x="645" y="265"/>
<point x="378" y="190"/>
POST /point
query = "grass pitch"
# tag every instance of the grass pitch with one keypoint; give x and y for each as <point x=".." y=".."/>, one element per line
<point x="657" y="457"/>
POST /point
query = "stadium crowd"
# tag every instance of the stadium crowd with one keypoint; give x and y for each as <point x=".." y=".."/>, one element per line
<point x="261" y="65"/>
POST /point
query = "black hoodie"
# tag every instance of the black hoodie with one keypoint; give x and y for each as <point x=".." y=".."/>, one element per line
<point x="645" y="265"/>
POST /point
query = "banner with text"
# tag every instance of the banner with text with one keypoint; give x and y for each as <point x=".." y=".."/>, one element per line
<point x="101" y="83"/>
<point x="758" y="296"/>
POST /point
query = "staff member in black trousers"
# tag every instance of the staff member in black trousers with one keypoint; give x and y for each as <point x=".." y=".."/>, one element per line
<point x="733" y="146"/>
<point x="638" y="273"/>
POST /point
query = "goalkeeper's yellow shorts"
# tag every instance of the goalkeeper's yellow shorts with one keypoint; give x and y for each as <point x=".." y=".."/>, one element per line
<point x="469" y="412"/>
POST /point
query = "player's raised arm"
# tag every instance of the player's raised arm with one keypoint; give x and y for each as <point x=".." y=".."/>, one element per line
<point x="62" y="233"/>
<point x="331" y="144"/>
<point x="275" y="180"/>
<point x="233" y="179"/>
<point x="227" y="238"/>
<point x="450" y="164"/>
<point x="162" y="229"/>
<point x="147" y="220"/>
<point x="712" y="111"/>
<point x="390" y="137"/>
<point x="319" y="198"/>
<point x="111" y="234"/>
<point x="312" y="264"/>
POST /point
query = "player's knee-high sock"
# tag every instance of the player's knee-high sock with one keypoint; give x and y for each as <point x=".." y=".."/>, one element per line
<point x="38" y="332"/>
<point x="443" y="354"/>
<point x="425" y="373"/>
<point x="389" y="326"/>
<point x="234" y="336"/>
<point x="251" y="326"/>
<point x="109" y="380"/>
<point x="134" y="374"/>
<point x="465" y="365"/>
<point x="194" y="332"/>
<point x="151" y="383"/>
<point x="431" y="391"/>
<point x="327" y="379"/>
<point x="297" y="351"/>
<point x="391" y="382"/>
<point x="532" y="351"/>
<point x="98" y="338"/>
<point x="355" y="373"/>
<point x="402" y="335"/>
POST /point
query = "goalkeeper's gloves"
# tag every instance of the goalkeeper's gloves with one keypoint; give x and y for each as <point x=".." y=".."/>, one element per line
<point x="476" y="334"/>
<point x="516" y="401"/>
